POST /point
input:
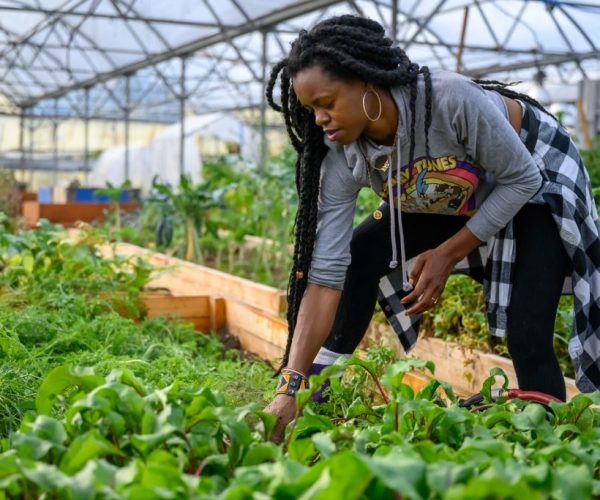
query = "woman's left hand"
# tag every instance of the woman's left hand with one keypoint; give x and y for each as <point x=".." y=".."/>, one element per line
<point x="429" y="276"/>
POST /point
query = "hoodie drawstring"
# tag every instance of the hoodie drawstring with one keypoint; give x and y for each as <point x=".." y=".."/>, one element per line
<point x="397" y="212"/>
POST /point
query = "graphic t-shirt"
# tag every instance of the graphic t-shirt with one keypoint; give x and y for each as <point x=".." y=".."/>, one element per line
<point x="443" y="185"/>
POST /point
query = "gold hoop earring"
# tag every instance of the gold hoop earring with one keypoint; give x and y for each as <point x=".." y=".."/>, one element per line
<point x="365" y="106"/>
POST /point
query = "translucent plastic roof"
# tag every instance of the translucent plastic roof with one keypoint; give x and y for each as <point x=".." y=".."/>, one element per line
<point x="113" y="58"/>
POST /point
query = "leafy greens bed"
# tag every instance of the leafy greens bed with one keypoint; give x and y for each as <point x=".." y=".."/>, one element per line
<point x="120" y="439"/>
<point x="95" y="405"/>
<point x="58" y="302"/>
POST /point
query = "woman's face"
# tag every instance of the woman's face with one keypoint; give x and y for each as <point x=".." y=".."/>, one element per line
<point x="336" y="104"/>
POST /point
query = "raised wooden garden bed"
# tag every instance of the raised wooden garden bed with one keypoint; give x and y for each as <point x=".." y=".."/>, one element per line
<point x="254" y="314"/>
<point x="68" y="214"/>
<point x="183" y="277"/>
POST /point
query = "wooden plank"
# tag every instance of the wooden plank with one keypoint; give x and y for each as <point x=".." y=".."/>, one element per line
<point x="184" y="306"/>
<point x="206" y="313"/>
<point x="256" y="345"/>
<point x="262" y="324"/>
<point x="258" y="331"/>
<point x="31" y="212"/>
<point x="68" y="214"/>
<point x="415" y="380"/>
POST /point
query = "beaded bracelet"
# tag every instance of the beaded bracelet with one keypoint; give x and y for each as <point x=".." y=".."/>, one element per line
<point x="290" y="382"/>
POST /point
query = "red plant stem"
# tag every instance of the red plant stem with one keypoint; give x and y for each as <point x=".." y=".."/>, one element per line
<point x="377" y="383"/>
<point x="200" y="467"/>
<point x="383" y="394"/>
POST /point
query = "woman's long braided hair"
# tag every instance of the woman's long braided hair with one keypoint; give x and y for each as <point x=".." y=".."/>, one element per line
<point x="346" y="47"/>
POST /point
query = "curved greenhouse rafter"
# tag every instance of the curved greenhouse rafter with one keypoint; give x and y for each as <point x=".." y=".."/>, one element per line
<point x="57" y="48"/>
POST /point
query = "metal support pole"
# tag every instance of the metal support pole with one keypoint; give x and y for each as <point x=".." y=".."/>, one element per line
<point x="31" y="147"/>
<point x="263" y="105"/>
<point x="55" y="143"/>
<point x="86" y="133"/>
<point x="394" y="23"/>
<point x="182" y="98"/>
<point x="127" y="112"/>
<point x="22" y="138"/>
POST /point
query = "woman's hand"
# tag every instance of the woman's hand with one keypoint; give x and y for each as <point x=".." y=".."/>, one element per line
<point x="429" y="276"/>
<point x="433" y="267"/>
<point x="284" y="407"/>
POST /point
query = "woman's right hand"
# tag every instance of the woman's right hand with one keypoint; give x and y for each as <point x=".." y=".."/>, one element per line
<point x="284" y="407"/>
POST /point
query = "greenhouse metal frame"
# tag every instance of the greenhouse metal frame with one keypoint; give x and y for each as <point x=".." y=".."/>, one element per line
<point x="134" y="60"/>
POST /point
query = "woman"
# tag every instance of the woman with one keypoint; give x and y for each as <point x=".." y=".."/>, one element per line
<point x="472" y="175"/>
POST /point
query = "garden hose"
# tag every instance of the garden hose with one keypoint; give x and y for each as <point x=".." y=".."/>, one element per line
<point x="532" y="396"/>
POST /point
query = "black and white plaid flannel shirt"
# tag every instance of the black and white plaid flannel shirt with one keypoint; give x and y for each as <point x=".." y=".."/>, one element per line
<point x="567" y="191"/>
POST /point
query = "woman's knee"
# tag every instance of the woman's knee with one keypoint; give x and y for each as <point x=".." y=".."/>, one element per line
<point x="528" y="345"/>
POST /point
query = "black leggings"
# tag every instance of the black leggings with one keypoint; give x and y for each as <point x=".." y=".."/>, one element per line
<point x="541" y="263"/>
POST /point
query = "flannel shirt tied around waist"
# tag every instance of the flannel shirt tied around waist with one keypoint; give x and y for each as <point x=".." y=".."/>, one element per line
<point x="566" y="190"/>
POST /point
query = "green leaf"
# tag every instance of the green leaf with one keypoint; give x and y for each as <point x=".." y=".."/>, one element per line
<point x="145" y="443"/>
<point x="269" y="421"/>
<point x="400" y="473"/>
<point x="531" y="418"/>
<point x="31" y="447"/>
<point x="47" y="477"/>
<point x="572" y="481"/>
<point x="310" y="423"/>
<point x="87" y="447"/>
<point x="491" y="447"/>
<point x="443" y="475"/>
<point x="324" y="444"/>
<point x="126" y="377"/>
<point x="59" y="380"/>
<point x="489" y="382"/>
<point x="94" y="480"/>
<point x="301" y="450"/>
<point x="260" y="453"/>
<point x="345" y="476"/>
<point x="491" y="487"/>
<point x="392" y="379"/>
<point x="47" y="428"/>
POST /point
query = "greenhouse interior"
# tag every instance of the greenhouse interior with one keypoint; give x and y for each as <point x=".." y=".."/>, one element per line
<point x="200" y="300"/>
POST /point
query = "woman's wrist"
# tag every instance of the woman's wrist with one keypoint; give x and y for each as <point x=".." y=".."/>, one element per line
<point x="291" y="381"/>
<point x="459" y="246"/>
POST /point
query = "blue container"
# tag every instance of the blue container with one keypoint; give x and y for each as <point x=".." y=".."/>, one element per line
<point x="86" y="195"/>
<point x="45" y="195"/>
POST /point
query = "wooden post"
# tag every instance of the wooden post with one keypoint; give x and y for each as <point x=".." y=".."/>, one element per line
<point x="583" y="123"/>
<point x="217" y="313"/>
<point x="462" y="40"/>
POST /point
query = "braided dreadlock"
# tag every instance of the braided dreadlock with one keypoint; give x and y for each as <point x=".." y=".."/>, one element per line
<point x="346" y="47"/>
<point x="502" y="88"/>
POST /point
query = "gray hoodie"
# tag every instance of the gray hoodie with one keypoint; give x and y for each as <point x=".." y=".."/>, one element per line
<point x="477" y="166"/>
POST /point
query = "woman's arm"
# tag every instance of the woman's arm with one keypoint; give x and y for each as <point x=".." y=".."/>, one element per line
<point x="315" y="320"/>
<point x="331" y="257"/>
